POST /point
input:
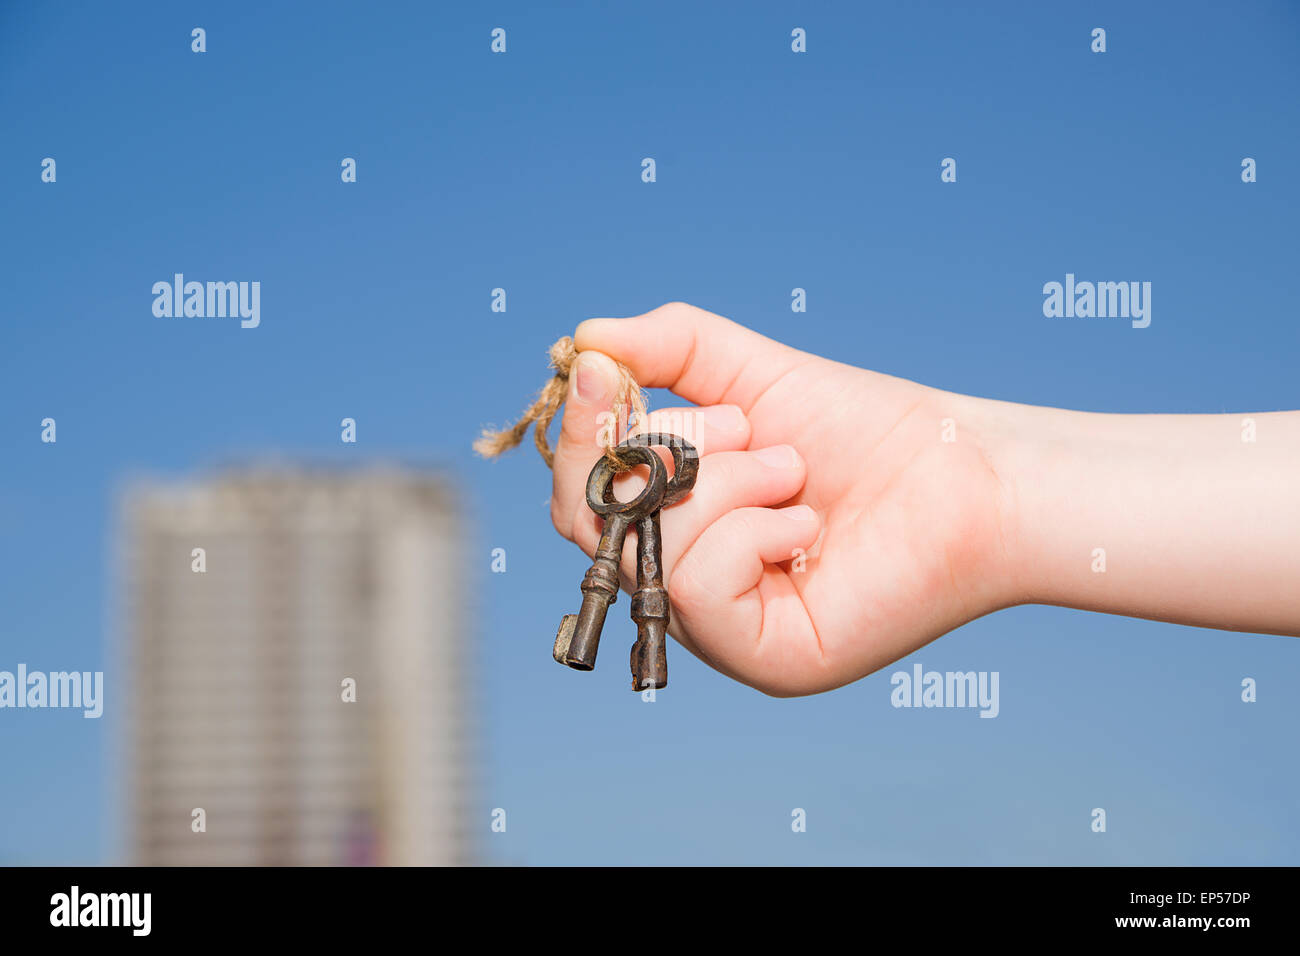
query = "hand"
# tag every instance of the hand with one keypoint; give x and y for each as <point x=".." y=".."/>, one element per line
<point x="919" y="509"/>
<point x="904" y="533"/>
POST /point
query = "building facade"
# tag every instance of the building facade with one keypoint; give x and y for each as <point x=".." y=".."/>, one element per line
<point x="297" y="671"/>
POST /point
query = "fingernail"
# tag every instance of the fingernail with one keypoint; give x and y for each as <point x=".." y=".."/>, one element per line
<point x="779" y="456"/>
<point x="800" y="513"/>
<point x="590" y="382"/>
<point x="725" y="418"/>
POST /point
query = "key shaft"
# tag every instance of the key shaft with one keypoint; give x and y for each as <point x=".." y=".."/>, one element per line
<point x="578" y="639"/>
<point x="651" y="609"/>
<point x="599" y="591"/>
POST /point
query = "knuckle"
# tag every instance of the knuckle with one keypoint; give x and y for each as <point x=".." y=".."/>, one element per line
<point x="676" y="311"/>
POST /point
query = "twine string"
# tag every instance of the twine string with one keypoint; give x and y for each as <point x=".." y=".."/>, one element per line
<point x="628" y="399"/>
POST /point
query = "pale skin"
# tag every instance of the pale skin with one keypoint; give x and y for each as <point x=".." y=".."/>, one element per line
<point x="843" y="518"/>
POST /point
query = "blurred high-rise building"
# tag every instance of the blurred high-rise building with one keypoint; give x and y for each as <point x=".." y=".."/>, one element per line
<point x="296" y="670"/>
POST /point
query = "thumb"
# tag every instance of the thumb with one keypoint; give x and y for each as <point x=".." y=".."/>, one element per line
<point x="702" y="357"/>
<point x="593" y="383"/>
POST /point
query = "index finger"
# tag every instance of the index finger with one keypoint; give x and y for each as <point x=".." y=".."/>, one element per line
<point x="702" y="357"/>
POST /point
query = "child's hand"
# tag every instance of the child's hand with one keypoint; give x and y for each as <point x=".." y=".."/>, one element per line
<point x="920" y="510"/>
<point x="904" y="532"/>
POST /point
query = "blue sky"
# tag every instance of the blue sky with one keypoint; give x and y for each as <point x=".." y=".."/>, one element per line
<point x="775" y="170"/>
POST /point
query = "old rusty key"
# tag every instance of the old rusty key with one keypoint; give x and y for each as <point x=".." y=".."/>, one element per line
<point x="650" y="607"/>
<point x="579" y="634"/>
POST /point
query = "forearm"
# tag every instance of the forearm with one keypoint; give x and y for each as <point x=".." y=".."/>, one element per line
<point x="1170" y="517"/>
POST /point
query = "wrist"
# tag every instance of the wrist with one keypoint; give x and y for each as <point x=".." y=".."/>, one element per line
<point x="1020" y="445"/>
<point x="989" y="460"/>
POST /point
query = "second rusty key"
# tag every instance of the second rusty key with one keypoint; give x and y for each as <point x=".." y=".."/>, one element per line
<point x="579" y="635"/>
<point x="650" y="608"/>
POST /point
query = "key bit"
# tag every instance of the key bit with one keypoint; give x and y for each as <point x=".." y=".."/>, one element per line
<point x="579" y="635"/>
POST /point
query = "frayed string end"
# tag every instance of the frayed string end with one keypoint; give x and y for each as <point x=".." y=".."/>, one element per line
<point x="629" y="400"/>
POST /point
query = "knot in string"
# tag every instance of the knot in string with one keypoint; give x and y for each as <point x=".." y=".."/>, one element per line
<point x="628" y="399"/>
